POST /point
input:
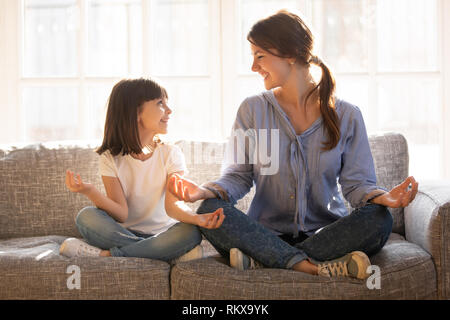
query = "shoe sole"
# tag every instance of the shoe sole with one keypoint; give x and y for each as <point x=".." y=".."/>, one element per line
<point x="63" y="245"/>
<point x="362" y="262"/>
<point x="236" y="259"/>
<point x="194" y="254"/>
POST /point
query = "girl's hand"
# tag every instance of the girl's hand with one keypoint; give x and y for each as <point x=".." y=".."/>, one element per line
<point x="185" y="189"/>
<point x="210" y="220"/>
<point x="75" y="184"/>
<point x="400" y="196"/>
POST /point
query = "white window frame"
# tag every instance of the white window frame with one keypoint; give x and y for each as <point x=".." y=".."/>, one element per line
<point x="223" y="55"/>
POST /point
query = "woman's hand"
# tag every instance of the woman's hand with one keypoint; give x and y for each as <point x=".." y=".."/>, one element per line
<point x="400" y="196"/>
<point x="185" y="189"/>
<point x="210" y="220"/>
<point x="75" y="184"/>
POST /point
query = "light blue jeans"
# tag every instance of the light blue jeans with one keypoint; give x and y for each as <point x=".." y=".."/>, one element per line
<point x="102" y="231"/>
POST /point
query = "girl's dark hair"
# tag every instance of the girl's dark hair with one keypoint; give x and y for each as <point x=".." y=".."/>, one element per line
<point x="121" y="135"/>
<point x="291" y="37"/>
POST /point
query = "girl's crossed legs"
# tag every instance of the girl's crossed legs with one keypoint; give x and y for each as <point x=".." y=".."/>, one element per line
<point x="102" y="231"/>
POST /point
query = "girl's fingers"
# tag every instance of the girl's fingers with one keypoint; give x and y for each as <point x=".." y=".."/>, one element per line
<point x="218" y="218"/>
<point x="72" y="179"/>
<point x="222" y="217"/>
<point x="209" y="221"/>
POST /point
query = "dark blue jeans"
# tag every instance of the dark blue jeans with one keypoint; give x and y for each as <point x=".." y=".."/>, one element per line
<point x="365" y="229"/>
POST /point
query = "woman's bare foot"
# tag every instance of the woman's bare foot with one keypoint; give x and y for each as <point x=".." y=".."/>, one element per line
<point x="105" y="253"/>
<point x="307" y="267"/>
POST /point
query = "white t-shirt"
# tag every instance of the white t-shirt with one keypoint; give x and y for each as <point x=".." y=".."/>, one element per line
<point x="144" y="185"/>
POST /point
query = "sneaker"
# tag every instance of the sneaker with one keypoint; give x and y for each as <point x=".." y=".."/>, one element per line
<point x="353" y="265"/>
<point x="73" y="247"/>
<point x="196" y="253"/>
<point x="241" y="261"/>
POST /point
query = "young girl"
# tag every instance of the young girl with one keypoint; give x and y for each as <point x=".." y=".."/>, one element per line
<point x="298" y="219"/>
<point x="136" y="217"/>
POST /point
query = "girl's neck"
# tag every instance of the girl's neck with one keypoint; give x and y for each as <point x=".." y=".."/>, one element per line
<point x="148" y="145"/>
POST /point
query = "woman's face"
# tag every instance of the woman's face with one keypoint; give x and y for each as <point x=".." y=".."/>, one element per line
<point x="273" y="69"/>
<point x="154" y="116"/>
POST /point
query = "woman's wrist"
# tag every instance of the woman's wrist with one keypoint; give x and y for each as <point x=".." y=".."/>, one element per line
<point x="207" y="193"/>
<point x="379" y="199"/>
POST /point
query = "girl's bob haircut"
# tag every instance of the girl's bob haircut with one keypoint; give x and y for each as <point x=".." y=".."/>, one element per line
<point x="121" y="135"/>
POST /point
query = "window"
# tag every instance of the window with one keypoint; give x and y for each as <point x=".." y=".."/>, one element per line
<point x="61" y="58"/>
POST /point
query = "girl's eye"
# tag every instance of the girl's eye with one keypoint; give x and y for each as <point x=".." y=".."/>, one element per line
<point x="259" y="57"/>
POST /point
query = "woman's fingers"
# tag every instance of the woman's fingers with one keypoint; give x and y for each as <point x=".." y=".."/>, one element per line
<point x="181" y="189"/>
<point x="414" y="190"/>
<point x="186" y="195"/>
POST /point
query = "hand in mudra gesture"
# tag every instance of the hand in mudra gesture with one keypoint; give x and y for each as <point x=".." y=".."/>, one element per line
<point x="185" y="189"/>
<point x="75" y="184"/>
<point x="401" y="195"/>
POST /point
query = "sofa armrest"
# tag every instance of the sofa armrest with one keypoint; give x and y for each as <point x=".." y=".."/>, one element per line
<point x="427" y="224"/>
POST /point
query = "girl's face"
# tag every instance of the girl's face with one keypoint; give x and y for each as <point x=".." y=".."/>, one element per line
<point x="154" y="116"/>
<point x="273" y="69"/>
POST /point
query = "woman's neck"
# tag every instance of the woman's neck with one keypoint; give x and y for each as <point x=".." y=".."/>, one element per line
<point x="292" y="94"/>
<point x="296" y="88"/>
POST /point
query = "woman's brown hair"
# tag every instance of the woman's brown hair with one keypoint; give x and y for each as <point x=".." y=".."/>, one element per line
<point x="291" y="38"/>
<point x="121" y="135"/>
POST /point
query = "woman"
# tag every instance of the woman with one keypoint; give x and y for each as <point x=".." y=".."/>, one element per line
<point x="322" y="141"/>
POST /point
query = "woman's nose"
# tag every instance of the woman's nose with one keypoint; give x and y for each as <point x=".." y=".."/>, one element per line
<point x="255" y="66"/>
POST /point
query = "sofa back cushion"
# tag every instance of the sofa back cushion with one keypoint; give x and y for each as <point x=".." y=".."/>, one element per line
<point x="34" y="200"/>
<point x="391" y="159"/>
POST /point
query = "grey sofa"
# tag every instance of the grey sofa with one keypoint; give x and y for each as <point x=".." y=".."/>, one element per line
<point x="37" y="213"/>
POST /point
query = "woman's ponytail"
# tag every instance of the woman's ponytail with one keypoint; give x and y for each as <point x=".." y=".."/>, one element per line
<point x="326" y="89"/>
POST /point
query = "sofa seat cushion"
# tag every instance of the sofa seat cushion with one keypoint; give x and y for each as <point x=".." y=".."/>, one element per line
<point x="32" y="268"/>
<point x="407" y="272"/>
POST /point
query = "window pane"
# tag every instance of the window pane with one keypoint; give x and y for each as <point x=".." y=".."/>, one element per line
<point x="356" y="92"/>
<point x="340" y="28"/>
<point x="97" y="104"/>
<point x="194" y="116"/>
<point x="50" y="38"/>
<point x="51" y="113"/>
<point x="250" y="11"/>
<point x="412" y="107"/>
<point x="180" y="36"/>
<point x="114" y="37"/>
<point x="407" y="35"/>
